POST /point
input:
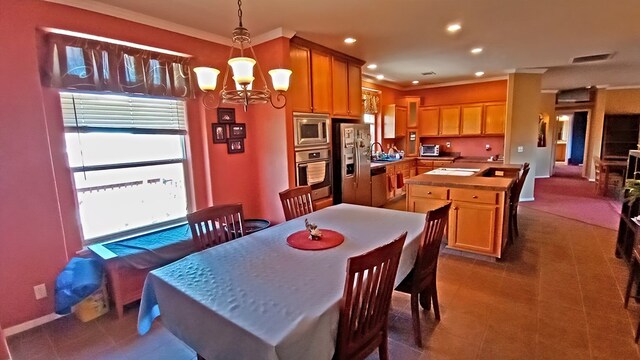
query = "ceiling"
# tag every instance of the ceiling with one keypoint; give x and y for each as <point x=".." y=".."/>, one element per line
<point x="406" y="38"/>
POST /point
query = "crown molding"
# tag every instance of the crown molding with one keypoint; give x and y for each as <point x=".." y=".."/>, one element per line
<point x="273" y="34"/>
<point x="527" y="71"/>
<point x="140" y="18"/>
<point x="456" y="83"/>
<point x="627" y="87"/>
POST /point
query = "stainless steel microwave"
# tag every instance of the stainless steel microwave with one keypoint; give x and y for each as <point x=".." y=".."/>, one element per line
<point x="311" y="129"/>
<point x="430" y="150"/>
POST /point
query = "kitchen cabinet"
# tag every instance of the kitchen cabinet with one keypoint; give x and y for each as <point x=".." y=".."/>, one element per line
<point x="428" y="121"/>
<point x="413" y="104"/>
<point x="471" y="121"/>
<point x="299" y="94"/>
<point x="310" y="88"/>
<point x="355" y="90"/>
<point x="425" y="198"/>
<point x="394" y="121"/>
<point x="450" y="120"/>
<point x="494" y="118"/>
<point x="473" y="226"/>
<point x="347" y="88"/>
<point x="340" y="75"/>
<point x="320" y="82"/>
<point x="412" y="146"/>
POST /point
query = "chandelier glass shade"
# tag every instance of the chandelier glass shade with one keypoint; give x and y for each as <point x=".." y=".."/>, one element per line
<point x="243" y="77"/>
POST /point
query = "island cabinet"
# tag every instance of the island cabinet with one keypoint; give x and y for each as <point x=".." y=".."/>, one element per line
<point x="479" y="217"/>
<point x="476" y="218"/>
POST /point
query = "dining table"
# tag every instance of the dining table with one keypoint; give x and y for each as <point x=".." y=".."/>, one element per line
<point x="256" y="297"/>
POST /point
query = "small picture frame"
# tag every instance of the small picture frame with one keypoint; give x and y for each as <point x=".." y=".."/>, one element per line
<point x="235" y="146"/>
<point x="226" y="115"/>
<point x="219" y="132"/>
<point x="237" y="131"/>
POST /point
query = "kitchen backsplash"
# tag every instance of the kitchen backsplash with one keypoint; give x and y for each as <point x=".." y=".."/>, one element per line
<point x="469" y="146"/>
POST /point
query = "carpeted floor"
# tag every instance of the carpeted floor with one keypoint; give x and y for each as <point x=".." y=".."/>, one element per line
<point x="575" y="198"/>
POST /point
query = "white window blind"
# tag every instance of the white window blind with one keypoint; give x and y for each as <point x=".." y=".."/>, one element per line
<point x="122" y="112"/>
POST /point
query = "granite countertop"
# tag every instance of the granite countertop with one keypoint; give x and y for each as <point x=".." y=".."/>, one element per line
<point x="477" y="181"/>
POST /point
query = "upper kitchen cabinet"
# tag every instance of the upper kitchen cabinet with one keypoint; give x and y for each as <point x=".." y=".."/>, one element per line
<point x="428" y="121"/>
<point x="394" y="121"/>
<point x="347" y="88"/>
<point x="324" y="80"/>
<point x="320" y="82"/>
<point x="471" y="122"/>
<point x="412" y="112"/>
<point x="299" y="94"/>
<point x="450" y="120"/>
<point x="494" y="118"/>
<point x="355" y="89"/>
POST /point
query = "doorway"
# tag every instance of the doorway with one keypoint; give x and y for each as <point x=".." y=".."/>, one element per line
<point x="571" y="135"/>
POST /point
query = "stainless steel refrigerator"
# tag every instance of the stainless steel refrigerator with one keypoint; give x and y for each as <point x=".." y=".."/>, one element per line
<point x="352" y="163"/>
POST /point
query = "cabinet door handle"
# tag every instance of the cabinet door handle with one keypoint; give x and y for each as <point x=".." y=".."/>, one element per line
<point x="475" y="196"/>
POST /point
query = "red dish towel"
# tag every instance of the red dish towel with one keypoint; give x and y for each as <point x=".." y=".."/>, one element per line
<point x="400" y="181"/>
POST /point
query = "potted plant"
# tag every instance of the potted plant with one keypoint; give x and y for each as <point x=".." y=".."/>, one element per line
<point x="631" y="196"/>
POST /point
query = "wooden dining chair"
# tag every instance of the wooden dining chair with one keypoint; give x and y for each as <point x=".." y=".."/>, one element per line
<point x="514" y="201"/>
<point x="421" y="281"/>
<point x="364" y="308"/>
<point x="215" y="225"/>
<point x="296" y="202"/>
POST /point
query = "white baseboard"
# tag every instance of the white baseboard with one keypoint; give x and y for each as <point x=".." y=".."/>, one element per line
<point x="543" y="177"/>
<point x="526" y="199"/>
<point x="31" y="324"/>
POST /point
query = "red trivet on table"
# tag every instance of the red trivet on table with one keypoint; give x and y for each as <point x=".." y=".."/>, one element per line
<point x="300" y="240"/>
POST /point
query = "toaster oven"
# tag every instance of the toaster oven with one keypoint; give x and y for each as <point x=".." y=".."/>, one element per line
<point x="430" y="150"/>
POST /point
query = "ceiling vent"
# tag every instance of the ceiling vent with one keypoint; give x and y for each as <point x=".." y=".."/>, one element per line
<point x="429" y="73"/>
<point x="591" y="58"/>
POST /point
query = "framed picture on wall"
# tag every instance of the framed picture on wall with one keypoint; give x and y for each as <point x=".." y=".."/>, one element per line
<point x="219" y="132"/>
<point x="226" y="115"/>
<point x="237" y="131"/>
<point x="235" y="146"/>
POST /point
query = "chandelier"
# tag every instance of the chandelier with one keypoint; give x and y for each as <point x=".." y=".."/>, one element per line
<point x="242" y="68"/>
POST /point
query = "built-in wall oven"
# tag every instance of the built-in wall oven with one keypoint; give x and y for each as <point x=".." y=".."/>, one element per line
<point x="311" y="129"/>
<point x="313" y="167"/>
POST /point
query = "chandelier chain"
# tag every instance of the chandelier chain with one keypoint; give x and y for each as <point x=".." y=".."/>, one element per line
<point x="240" y="11"/>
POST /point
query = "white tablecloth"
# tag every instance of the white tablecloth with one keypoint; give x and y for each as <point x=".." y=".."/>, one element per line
<point x="258" y="298"/>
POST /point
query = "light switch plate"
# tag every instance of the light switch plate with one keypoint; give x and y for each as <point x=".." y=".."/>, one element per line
<point x="448" y="144"/>
<point x="40" y="291"/>
<point x="520" y="149"/>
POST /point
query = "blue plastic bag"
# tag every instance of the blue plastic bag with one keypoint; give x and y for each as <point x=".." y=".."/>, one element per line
<point x="79" y="279"/>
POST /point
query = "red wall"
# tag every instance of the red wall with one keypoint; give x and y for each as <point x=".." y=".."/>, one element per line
<point x="38" y="214"/>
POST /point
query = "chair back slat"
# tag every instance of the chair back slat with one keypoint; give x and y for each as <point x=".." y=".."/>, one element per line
<point x="296" y="202"/>
<point x="216" y="225"/>
<point x="364" y="309"/>
<point x="517" y="188"/>
<point x="426" y="263"/>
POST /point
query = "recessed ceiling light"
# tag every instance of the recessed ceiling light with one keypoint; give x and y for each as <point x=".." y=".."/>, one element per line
<point x="454" y="27"/>
<point x="349" y="40"/>
<point x="477" y="50"/>
<point x="372" y="66"/>
<point x="479" y="73"/>
<point x="380" y="77"/>
<point x="414" y="82"/>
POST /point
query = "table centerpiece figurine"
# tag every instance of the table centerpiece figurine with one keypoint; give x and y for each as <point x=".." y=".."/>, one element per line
<point x="314" y="232"/>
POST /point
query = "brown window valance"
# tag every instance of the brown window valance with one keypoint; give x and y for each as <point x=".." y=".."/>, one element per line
<point x="371" y="102"/>
<point x="85" y="64"/>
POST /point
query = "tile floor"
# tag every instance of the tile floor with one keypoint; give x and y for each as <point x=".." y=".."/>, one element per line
<point x="555" y="295"/>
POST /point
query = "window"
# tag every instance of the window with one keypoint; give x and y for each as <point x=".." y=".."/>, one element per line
<point x="371" y="120"/>
<point x="128" y="160"/>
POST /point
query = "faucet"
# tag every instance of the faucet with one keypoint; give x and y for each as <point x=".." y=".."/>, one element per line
<point x="373" y="146"/>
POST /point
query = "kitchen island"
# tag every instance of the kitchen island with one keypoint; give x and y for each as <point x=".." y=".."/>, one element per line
<point x="479" y="192"/>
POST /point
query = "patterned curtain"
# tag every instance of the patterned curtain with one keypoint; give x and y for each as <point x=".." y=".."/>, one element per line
<point x="83" y="64"/>
<point x="371" y="102"/>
